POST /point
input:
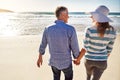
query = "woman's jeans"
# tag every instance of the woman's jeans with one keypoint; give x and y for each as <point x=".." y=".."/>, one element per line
<point x="68" y="72"/>
<point x="95" y="68"/>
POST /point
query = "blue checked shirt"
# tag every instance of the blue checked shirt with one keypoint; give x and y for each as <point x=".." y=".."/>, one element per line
<point x="62" y="40"/>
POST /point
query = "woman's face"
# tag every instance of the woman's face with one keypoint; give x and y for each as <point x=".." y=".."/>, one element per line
<point x="93" y="20"/>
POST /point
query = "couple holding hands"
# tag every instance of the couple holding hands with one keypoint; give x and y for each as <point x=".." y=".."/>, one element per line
<point x="62" y="42"/>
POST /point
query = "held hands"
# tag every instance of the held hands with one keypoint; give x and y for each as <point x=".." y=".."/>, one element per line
<point x="81" y="54"/>
<point x="76" y="61"/>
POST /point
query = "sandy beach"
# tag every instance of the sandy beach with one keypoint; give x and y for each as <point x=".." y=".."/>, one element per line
<point x="18" y="56"/>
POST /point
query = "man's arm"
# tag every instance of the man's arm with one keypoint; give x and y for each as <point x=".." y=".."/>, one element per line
<point x="83" y="51"/>
<point x="42" y="48"/>
<point x="74" y="44"/>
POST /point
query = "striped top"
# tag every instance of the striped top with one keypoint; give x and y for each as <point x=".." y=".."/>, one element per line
<point x="98" y="47"/>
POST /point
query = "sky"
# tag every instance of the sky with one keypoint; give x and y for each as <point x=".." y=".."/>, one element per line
<point x="50" y="5"/>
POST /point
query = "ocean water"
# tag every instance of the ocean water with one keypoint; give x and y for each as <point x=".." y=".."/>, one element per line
<point x="34" y="23"/>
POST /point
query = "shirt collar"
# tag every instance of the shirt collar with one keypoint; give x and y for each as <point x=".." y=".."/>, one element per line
<point x="59" y="21"/>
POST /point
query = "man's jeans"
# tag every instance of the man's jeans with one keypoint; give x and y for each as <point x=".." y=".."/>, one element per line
<point x="95" y="68"/>
<point x="68" y="72"/>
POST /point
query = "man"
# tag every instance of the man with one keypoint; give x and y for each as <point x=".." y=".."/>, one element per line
<point x="62" y="40"/>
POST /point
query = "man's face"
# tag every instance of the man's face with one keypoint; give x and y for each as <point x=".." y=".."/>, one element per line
<point x="64" y="16"/>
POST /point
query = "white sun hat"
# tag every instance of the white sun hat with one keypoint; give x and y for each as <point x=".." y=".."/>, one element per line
<point x="100" y="14"/>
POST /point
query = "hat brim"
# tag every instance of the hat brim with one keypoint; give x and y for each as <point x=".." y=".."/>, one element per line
<point x="100" y="17"/>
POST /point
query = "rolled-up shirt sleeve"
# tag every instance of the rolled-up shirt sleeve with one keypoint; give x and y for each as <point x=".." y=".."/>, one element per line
<point x="74" y="44"/>
<point x="43" y="42"/>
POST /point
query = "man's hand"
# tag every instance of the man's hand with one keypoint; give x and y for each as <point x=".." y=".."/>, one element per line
<point x="39" y="61"/>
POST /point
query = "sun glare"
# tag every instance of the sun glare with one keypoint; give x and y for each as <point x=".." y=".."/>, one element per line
<point x="8" y="32"/>
<point x="5" y="24"/>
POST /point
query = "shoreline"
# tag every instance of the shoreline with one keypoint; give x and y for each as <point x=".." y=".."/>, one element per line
<point x="77" y="32"/>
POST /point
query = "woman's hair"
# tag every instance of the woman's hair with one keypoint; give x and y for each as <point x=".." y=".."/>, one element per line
<point x="59" y="10"/>
<point x="101" y="28"/>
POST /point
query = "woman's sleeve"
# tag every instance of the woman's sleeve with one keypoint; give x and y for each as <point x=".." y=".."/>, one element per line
<point x="86" y="38"/>
<point x="110" y="46"/>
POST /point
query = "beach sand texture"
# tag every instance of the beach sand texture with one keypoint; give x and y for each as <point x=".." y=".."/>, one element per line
<point x="18" y="56"/>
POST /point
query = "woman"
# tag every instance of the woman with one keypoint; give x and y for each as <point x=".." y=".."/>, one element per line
<point x="98" y="43"/>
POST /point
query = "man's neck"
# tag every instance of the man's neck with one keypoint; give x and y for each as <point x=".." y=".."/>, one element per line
<point x="61" y="20"/>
